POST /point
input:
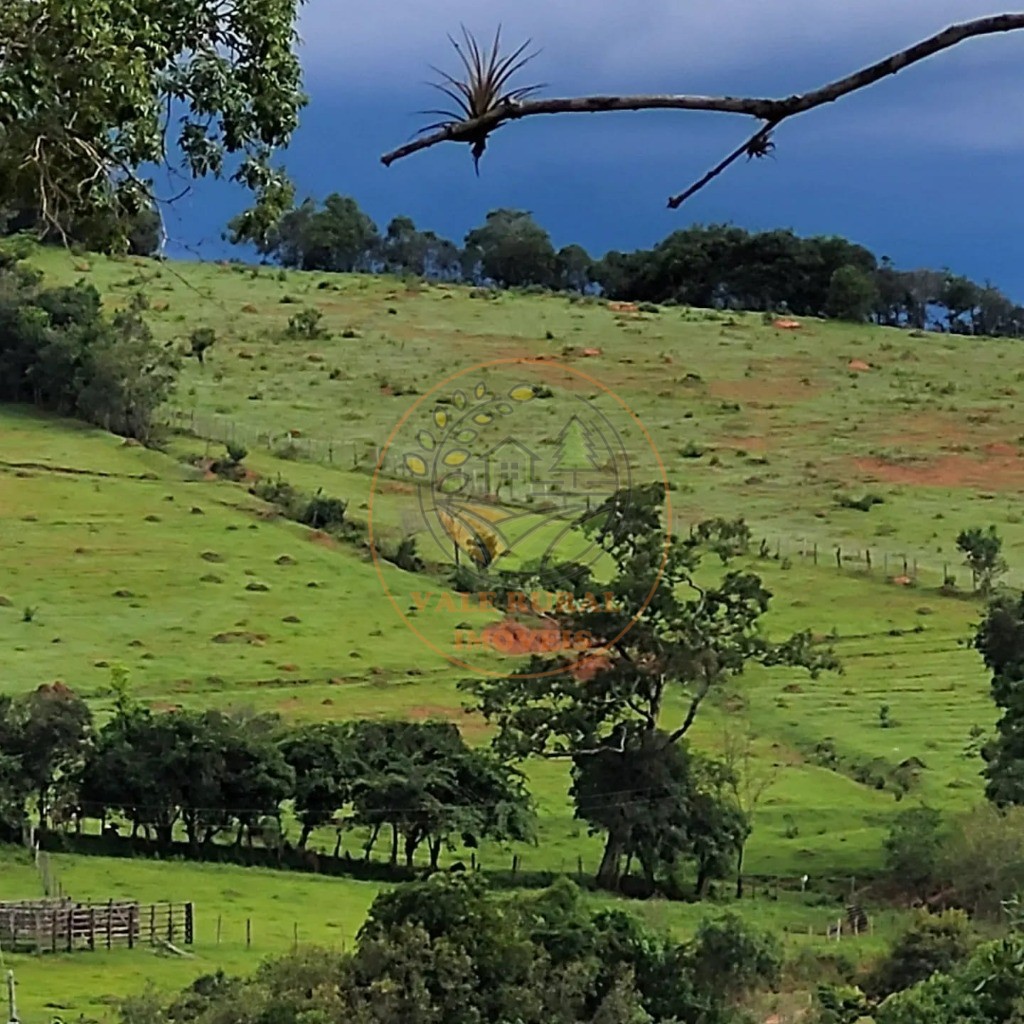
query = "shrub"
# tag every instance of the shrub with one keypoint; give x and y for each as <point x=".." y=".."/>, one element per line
<point x="306" y="324"/>
<point x="732" y="958"/>
<point x="404" y="555"/>
<point x="933" y="943"/>
<point x="236" y="452"/>
<point x="321" y="512"/>
<point x="912" y="847"/>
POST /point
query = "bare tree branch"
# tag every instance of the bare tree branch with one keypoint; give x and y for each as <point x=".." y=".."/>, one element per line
<point x="771" y="111"/>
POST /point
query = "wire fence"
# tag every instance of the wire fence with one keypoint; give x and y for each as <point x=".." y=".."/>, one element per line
<point x="900" y="566"/>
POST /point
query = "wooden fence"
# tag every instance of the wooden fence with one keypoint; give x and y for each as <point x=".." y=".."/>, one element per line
<point x="62" y="925"/>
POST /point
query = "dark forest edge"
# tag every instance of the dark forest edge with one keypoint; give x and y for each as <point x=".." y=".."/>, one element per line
<point x="716" y="266"/>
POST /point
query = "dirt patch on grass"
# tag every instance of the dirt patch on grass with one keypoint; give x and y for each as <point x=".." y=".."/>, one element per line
<point x="468" y="724"/>
<point x="325" y="540"/>
<point x="756" y="390"/>
<point x="743" y="444"/>
<point x="937" y="430"/>
<point x="989" y="472"/>
<point x="395" y="487"/>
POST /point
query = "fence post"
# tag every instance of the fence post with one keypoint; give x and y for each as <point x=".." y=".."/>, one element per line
<point x="815" y="554"/>
<point x="839" y="557"/>
<point x="189" y="924"/>
<point x="110" y="920"/>
<point x="170" y="922"/>
<point x="218" y="929"/>
<point x="53" y="930"/>
<point x="92" y="926"/>
<point x="152" y="924"/>
<point x="867" y="558"/>
<point x="71" y="928"/>
<point x="131" y="926"/>
<point x="248" y="932"/>
<point x="295" y="936"/>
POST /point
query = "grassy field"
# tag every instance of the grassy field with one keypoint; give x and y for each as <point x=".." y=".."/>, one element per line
<point x="115" y="554"/>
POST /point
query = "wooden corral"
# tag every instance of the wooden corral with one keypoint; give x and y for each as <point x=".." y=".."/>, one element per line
<point x="63" y="925"/>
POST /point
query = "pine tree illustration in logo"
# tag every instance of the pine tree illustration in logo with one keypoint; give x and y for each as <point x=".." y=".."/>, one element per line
<point x="575" y="453"/>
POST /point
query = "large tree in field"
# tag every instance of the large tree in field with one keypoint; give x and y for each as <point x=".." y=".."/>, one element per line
<point x="93" y="91"/>
<point x="482" y="98"/>
<point x="669" y="638"/>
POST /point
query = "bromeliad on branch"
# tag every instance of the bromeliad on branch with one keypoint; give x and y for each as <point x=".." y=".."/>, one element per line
<point x="483" y="92"/>
<point x="485" y="106"/>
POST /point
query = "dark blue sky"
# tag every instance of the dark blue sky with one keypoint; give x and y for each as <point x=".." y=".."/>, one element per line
<point x="924" y="167"/>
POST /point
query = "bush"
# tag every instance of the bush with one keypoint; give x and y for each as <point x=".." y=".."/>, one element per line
<point x="321" y="512"/>
<point x="912" y="847"/>
<point x="404" y="555"/>
<point x="933" y="943"/>
<point x="60" y="352"/>
<point x="733" y="958"/>
<point x="838" y="1004"/>
<point x="236" y="452"/>
<point x="306" y="324"/>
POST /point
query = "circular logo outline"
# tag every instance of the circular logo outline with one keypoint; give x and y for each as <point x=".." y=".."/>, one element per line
<point x="544" y="363"/>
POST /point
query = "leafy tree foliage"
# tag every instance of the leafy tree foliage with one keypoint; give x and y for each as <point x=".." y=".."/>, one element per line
<point x="668" y="641"/>
<point x="932" y="943"/>
<point x="999" y="639"/>
<point x="58" y="351"/>
<point x="913" y="847"/>
<point x="45" y="736"/>
<point x="422" y="780"/>
<point x="852" y="294"/>
<point x="206" y="770"/>
<point x="983" y="553"/>
<point x="137" y="234"/>
<point x="713" y="266"/>
<point x="447" y="950"/>
<point x="339" y="237"/>
<point x="219" y="82"/>
<point x="987" y="989"/>
<point x="512" y="250"/>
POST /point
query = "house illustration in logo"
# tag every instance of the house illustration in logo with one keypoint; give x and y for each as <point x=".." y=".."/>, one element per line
<point x="509" y="462"/>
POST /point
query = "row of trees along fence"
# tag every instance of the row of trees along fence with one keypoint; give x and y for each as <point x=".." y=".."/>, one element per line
<point x="62" y="925"/>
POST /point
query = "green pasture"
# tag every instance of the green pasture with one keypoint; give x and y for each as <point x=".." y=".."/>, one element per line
<point x="111" y="553"/>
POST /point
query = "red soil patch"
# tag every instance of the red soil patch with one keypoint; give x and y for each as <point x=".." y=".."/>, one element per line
<point x="325" y="540"/>
<point x="786" y="325"/>
<point x="995" y="472"/>
<point x="623" y="307"/>
<point x="394" y="487"/>
<point x="591" y="352"/>
<point x="858" y="364"/>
